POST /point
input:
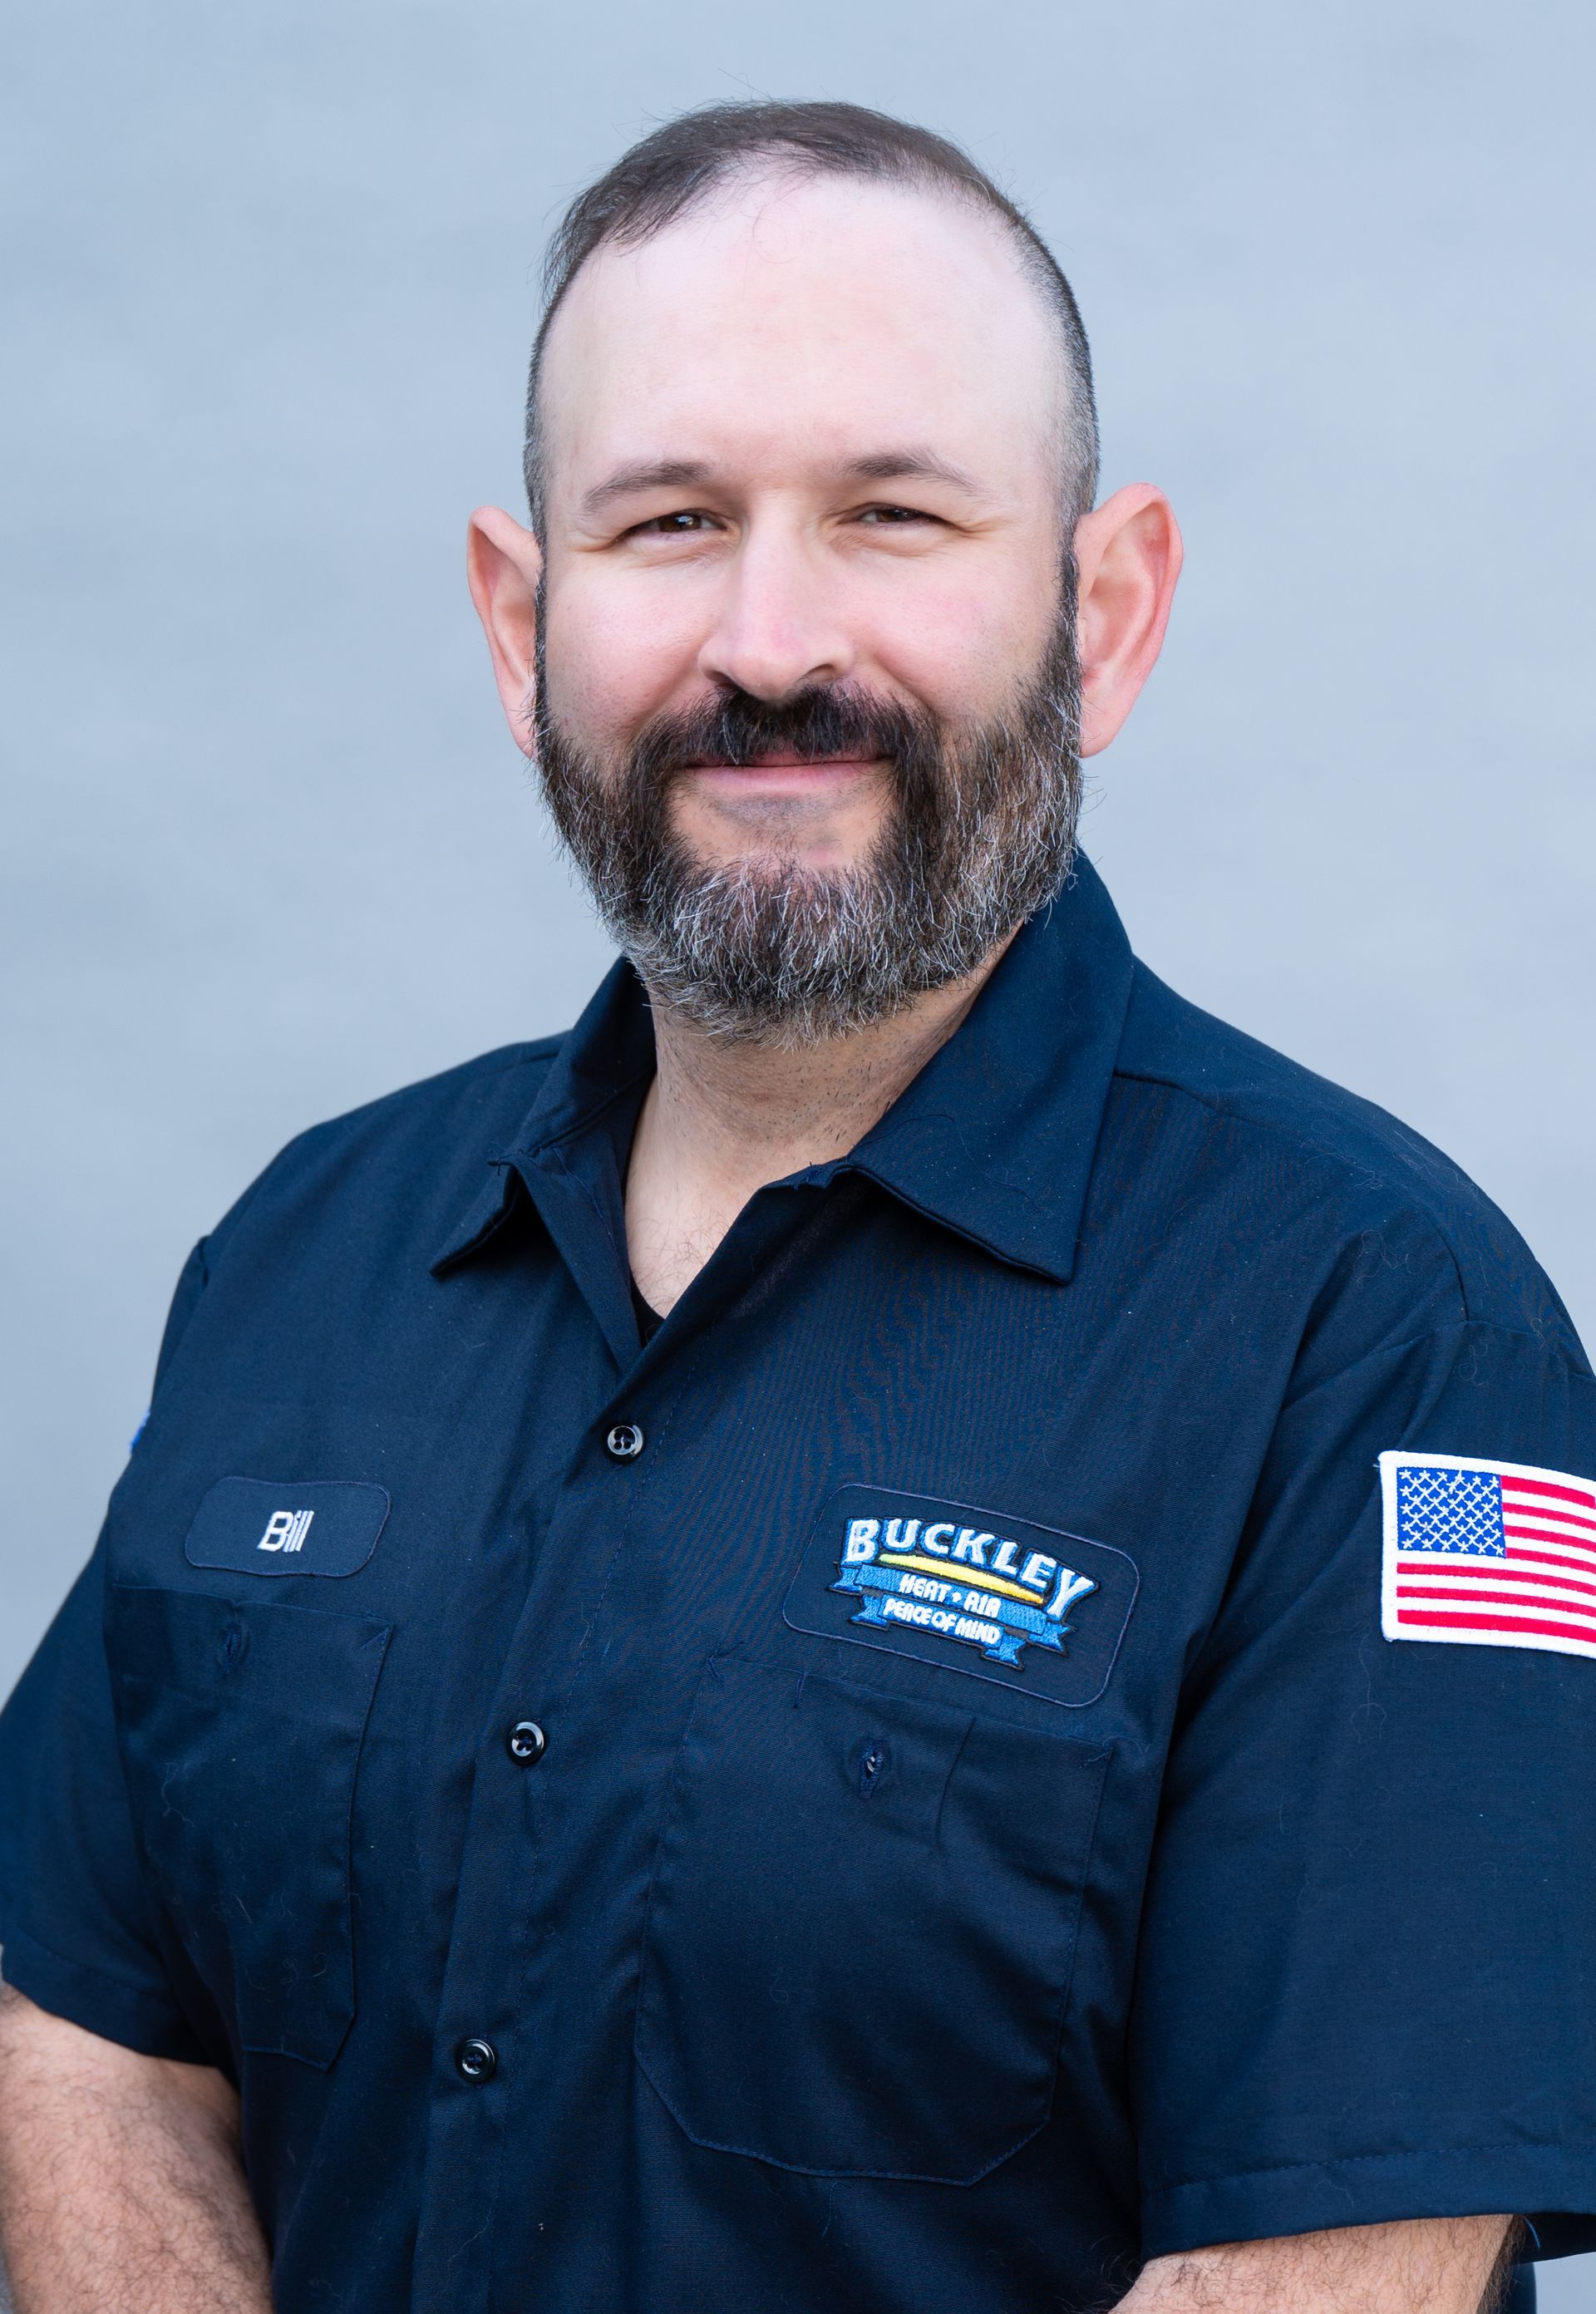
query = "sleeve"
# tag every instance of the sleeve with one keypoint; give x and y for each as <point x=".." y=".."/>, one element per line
<point x="1366" y="1985"/>
<point x="76" y="1934"/>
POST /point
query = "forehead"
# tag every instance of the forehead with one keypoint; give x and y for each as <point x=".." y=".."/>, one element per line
<point x="788" y="323"/>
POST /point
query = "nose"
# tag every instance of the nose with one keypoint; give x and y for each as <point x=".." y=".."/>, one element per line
<point x="778" y="627"/>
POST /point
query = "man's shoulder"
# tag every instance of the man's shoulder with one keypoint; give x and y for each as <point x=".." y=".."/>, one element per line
<point x="490" y="1087"/>
<point x="1170" y="1041"/>
<point x="488" y="1095"/>
<point x="425" y="1144"/>
<point x="1369" y="1180"/>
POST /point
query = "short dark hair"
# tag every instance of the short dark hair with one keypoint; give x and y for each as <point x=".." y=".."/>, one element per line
<point x="682" y="164"/>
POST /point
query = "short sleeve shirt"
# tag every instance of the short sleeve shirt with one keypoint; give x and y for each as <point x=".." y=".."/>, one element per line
<point x="1040" y="1719"/>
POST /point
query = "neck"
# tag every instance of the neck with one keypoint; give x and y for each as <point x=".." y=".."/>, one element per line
<point x="723" y="1118"/>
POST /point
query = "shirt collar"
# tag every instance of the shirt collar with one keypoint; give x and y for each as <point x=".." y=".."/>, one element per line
<point x="996" y="1135"/>
<point x="994" y="1138"/>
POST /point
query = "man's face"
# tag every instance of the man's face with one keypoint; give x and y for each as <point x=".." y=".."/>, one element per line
<point x="805" y="655"/>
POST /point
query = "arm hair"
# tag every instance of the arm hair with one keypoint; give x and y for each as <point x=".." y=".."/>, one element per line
<point x="1417" y="2265"/>
<point x="122" y="2189"/>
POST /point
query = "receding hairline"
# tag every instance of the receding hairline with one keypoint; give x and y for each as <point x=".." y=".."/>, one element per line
<point x="663" y="181"/>
<point x="741" y="187"/>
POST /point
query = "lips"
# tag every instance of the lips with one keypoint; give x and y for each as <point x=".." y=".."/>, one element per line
<point x="786" y="763"/>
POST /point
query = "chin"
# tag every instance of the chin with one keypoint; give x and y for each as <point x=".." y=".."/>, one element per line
<point x="773" y="864"/>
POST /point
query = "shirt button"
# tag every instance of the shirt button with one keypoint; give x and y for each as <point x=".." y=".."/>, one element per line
<point x="625" y="1442"/>
<point x="476" y="2060"/>
<point x="527" y="1741"/>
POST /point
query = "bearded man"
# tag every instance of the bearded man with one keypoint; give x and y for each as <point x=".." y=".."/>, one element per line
<point x="859" y="1637"/>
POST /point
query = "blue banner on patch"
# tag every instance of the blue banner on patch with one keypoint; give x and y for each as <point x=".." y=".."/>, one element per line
<point x="1027" y="1606"/>
<point x="289" y="1526"/>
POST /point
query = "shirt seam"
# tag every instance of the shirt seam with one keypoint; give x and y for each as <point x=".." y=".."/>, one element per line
<point x="1464" y="1325"/>
<point x="1341" y="2161"/>
<point x="1217" y="1107"/>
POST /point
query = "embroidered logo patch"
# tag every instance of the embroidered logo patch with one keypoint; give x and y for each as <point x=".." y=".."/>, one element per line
<point x="1028" y="1606"/>
<point x="983" y="1589"/>
<point x="1488" y="1554"/>
<point x="307" y="1526"/>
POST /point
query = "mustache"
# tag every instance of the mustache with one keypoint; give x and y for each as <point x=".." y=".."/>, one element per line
<point x="734" y="731"/>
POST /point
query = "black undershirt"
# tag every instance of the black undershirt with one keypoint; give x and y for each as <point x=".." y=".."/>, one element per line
<point x="650" y="1321"/>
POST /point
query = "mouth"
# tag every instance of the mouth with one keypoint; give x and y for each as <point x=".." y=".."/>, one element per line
<point x="783" y="774"/>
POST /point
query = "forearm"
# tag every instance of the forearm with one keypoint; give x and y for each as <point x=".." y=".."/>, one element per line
<point x="1422" y="2266"/>
<point x="122" y="2188"/>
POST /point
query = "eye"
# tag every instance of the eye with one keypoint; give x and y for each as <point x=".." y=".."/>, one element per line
<point x="683" y="524"/>
<point x="893" y="518"/>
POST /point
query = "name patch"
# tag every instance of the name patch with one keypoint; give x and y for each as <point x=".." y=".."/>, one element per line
<point x="292" y="1526"/>
<point x="1024" y="1605"/>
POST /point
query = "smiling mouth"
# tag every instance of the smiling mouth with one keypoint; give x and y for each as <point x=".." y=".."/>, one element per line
<point x="786" y="763"/>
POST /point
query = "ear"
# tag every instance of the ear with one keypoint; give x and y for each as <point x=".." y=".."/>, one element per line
<point x="1127" y="558"/>
<point x="503" y="564"/>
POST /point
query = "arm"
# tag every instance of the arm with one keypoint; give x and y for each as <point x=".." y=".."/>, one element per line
<point x="121" y="2186"/>
<point x="1422" y="2266"/>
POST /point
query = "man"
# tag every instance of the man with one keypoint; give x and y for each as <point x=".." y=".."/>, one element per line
<point x="902" y="1628"/>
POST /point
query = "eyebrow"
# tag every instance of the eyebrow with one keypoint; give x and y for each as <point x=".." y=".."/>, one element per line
<point x="645" y="474"/>
<point x="910" y="463"/>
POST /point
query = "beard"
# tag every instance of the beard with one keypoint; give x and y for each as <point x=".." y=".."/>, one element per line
<point x="978" y="834"/>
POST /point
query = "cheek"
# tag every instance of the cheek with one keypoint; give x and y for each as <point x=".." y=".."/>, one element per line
<point x="963" y="647"/>
<point x="610" y="661"/>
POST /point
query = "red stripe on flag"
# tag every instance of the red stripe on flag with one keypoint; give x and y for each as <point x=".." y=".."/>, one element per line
<point x="1549" y="1558"/>
<point x="1559" y="1582"/>
<point x="1532" y="1508"/>
<point x="1437" y="1561"/>
<point x="1584" y="1497"/>
<point x="1556" y="1558"/>
<point x="1499" y="1571"/>
<point x="1571" y="1537"/>
<point x="1497" y="1598"/>
<point x="1498" y="1623"/>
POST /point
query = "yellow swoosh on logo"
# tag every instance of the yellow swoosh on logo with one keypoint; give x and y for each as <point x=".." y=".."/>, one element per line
<point x="974" y="1579"/>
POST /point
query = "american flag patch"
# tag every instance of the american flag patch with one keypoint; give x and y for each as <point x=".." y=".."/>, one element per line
<point x="1492" y="1554"/>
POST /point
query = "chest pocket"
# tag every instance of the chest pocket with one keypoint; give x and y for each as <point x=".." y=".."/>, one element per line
<point x="861" y="1927"/>
<point x="242" y="1728"/>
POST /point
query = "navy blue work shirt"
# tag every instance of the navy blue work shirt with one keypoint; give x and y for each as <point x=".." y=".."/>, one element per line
<point x="896" y="1794"/>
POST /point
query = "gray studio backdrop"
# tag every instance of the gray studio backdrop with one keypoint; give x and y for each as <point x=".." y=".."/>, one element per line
<point x="269" y="851"/>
